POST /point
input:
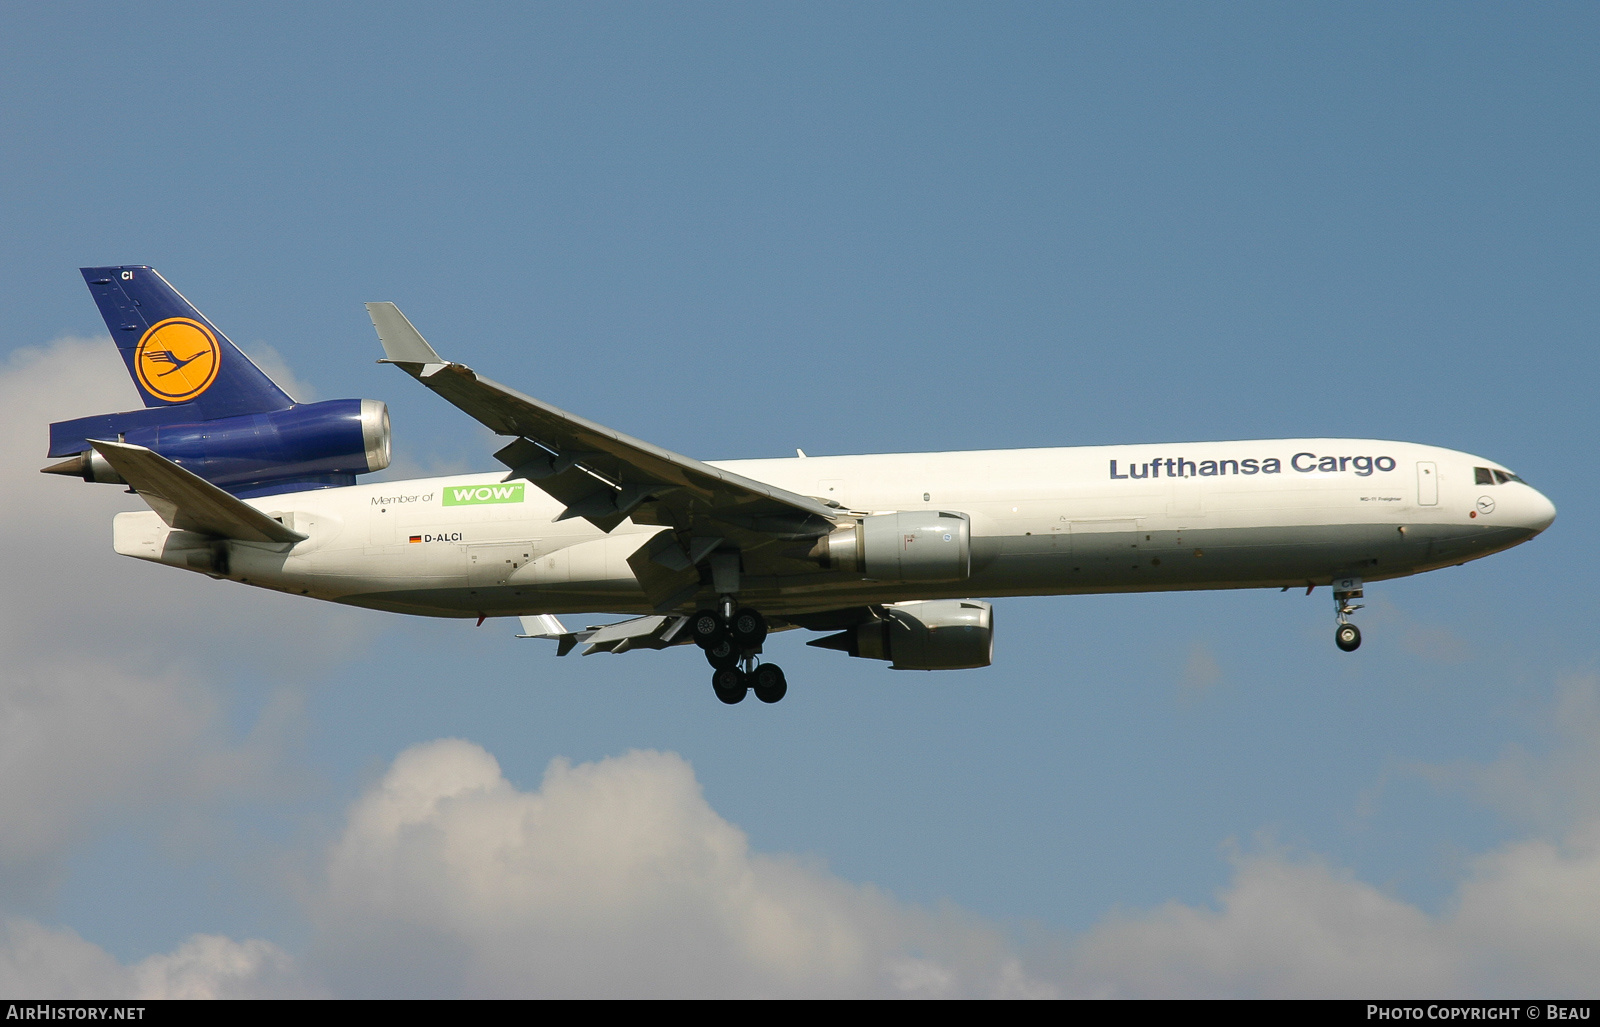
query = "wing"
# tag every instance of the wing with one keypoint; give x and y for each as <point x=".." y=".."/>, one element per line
<point x="606" y="477"/>
<point x="187" y="501"/>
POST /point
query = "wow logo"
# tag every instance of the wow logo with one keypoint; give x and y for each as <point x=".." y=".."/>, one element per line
<point x="470" y="495"/>
<point x="177" y="359"/>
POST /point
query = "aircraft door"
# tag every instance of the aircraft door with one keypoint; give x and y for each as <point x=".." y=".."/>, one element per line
<point x="1427" y="483"/>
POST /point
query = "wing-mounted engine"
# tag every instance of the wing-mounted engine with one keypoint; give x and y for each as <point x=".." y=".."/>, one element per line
<point x="938" y="634"/>
<point x="920" y="545"/>
<point x="303" y="446"/>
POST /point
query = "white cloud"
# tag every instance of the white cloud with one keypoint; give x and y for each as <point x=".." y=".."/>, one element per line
<point x="1521" y="921"/>
<point x="1526" y="918"/>
<point x="208" y="966"/>
<point x="1555" y="790"/>
<point x="1283" y="928"/>
<point x="54" y="963"/>
<point x="614" y="878"/>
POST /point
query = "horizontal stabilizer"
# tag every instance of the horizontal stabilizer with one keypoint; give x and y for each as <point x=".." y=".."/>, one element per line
<point x="187" y="501"/>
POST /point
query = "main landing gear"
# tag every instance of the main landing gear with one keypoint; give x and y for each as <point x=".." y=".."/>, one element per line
<point x="1346" y="636"/>
<point x="731" y="638"/>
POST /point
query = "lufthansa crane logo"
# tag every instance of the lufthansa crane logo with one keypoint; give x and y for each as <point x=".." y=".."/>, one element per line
<point x="177" y="359"/>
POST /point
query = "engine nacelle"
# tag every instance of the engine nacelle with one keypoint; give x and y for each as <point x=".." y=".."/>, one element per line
<point x="325" y="443"/>
<point x="924" y="545"/>
<point x="935" y="634"/>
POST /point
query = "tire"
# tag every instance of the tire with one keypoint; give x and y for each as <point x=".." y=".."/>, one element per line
<point x="723" y="655"/>
<point x="769" y="683"/>
<point x="749" y="628"/>
<point x="730" y="685"/>
<point x="707" y="628"/>
<point x="1347" y="637"/>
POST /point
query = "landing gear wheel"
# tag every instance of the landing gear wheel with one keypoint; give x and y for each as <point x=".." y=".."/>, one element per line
<point x="748" y="628"/>
<point x="722" y="655"/>
<point x="707" y="628"/>
<point x="730" y="685"/>
<point x="1348" y="638"/>
<point x="769" y="683"/>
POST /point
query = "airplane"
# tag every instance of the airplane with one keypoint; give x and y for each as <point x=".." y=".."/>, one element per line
<point x="884" y="553"/>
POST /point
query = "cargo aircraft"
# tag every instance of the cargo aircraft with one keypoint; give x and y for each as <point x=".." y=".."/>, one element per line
<point x="884" y="553"/>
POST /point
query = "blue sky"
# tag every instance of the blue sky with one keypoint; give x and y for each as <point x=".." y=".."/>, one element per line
<point x="738" y="229"/>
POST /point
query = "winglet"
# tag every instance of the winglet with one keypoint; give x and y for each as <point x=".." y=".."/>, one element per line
<point x="187" y="501"/>
<point x="402" y="344"/>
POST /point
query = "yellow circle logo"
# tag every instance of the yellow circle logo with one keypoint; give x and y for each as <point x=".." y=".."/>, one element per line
<point x="177" y="359"/>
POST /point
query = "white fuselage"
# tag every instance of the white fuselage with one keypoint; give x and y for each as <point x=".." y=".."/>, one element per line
<point x="1043" y="521"/>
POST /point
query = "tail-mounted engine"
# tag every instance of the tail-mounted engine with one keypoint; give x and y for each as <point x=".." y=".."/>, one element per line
<point x="936" y="634"/>
<point x="304" y="446"/>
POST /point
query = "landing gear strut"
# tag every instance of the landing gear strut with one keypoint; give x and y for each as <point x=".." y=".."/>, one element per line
<point x="1346" y="636"/>
<point x="731" y="638"/>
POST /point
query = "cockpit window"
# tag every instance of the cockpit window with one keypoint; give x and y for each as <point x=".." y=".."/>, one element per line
<point x="1501" y="477"/>
<point x="1482" y="476"/>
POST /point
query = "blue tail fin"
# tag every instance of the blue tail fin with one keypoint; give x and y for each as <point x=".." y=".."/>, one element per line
<point x="176" y="356"/>
<point x="208" y="409"/>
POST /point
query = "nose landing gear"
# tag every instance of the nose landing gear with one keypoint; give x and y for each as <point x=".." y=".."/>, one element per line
<point x="1346" y="636"/>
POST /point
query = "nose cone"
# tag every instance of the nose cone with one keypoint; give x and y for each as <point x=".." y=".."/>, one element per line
<point x="1541" y="513"/>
